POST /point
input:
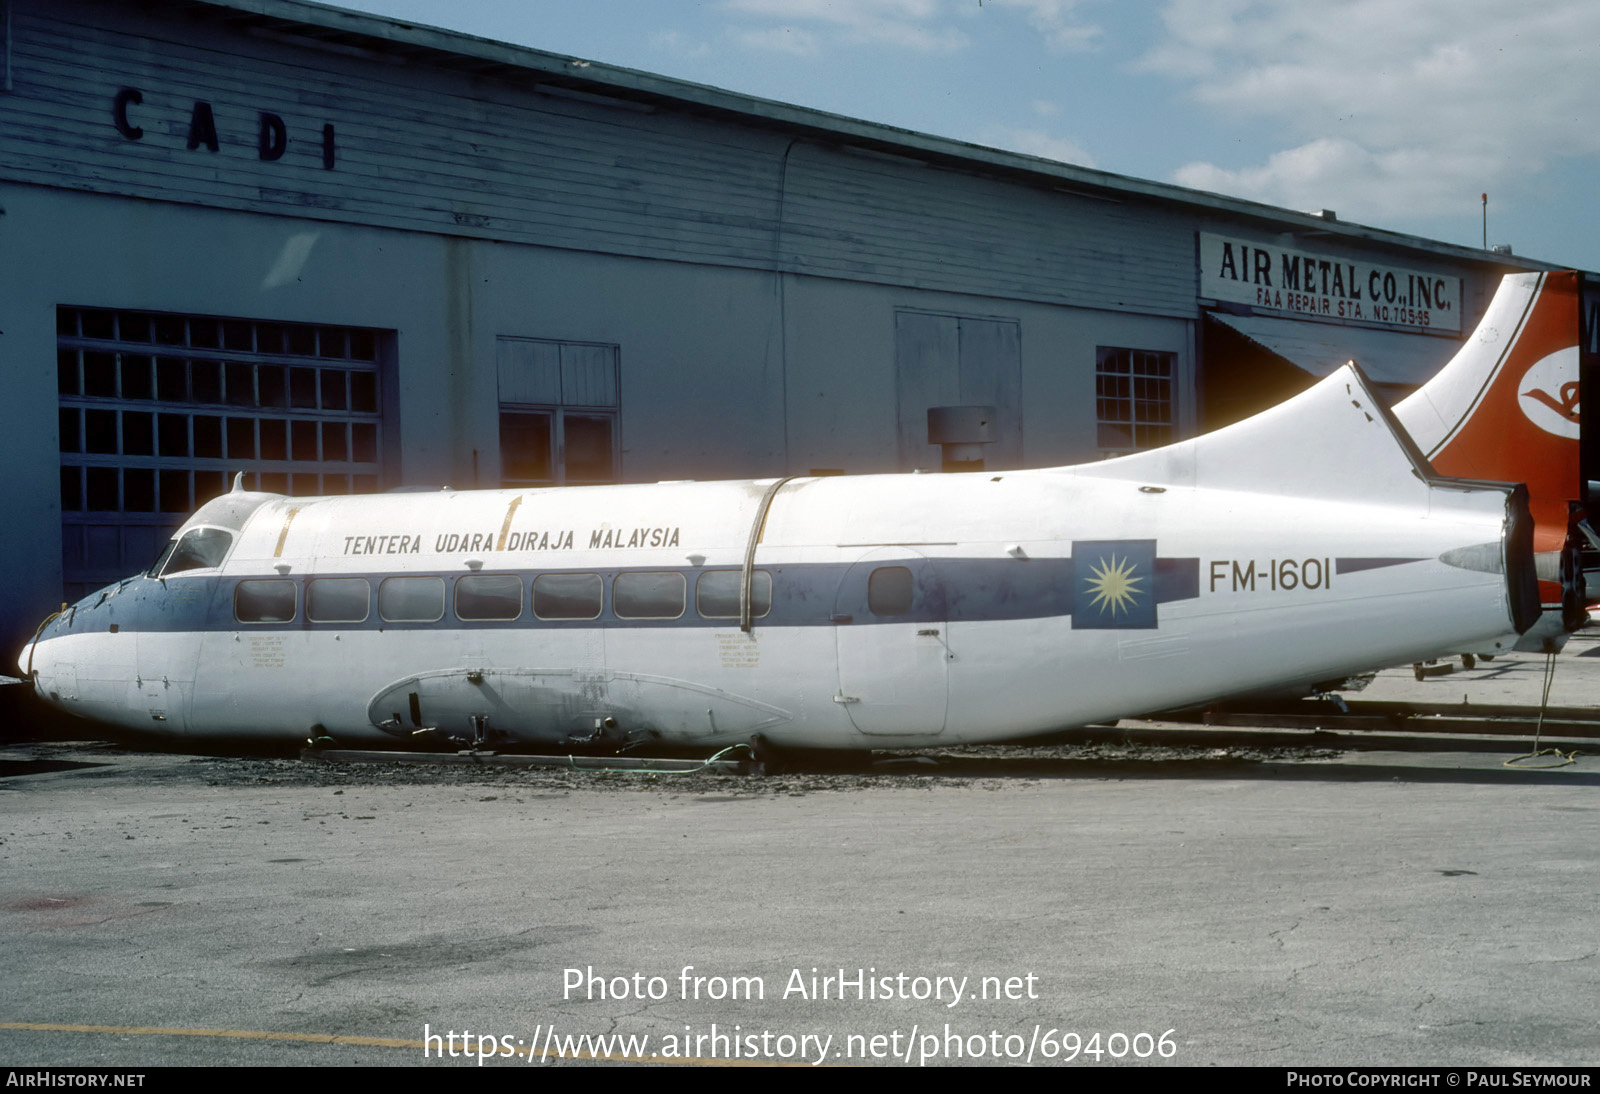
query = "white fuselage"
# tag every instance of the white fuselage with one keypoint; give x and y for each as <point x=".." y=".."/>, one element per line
<point x="884" y="611"/>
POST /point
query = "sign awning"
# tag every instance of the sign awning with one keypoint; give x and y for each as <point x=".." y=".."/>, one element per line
<point x="1386" y="357"/>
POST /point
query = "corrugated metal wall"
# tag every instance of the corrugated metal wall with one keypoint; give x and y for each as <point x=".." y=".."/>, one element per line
<point x="419" y="147"/>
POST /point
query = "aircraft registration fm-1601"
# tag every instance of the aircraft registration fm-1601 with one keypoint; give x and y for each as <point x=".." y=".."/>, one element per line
<point x="1308" y="543"/>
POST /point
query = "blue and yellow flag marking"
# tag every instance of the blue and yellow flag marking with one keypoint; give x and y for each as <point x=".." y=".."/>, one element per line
<point x="1114" y="584"/>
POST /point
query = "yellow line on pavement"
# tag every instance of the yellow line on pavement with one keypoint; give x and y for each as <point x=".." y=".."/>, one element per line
<point x="366" y="1042"/>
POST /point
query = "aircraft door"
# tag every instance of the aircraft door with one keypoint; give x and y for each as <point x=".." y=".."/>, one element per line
<point x="889" y="616"/>
<point x="166" y="657"/>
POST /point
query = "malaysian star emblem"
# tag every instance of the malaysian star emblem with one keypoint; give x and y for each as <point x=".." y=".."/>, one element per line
<point x="1114" y="584"/>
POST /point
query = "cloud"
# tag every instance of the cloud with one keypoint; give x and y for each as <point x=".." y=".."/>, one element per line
<point x="937" y="27"/>
<point x="1036" y="142"/>
<point x="1341" y="174"/>
<point x="1388" y="110"/>
<point x="915" y="25"/>
<point x="679" y="44"/>
<point x="778" y="40"/>
<point x="1055" y="21"/>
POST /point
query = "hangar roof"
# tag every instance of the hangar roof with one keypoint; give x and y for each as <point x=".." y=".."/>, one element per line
<point x="1387" y="357"/>
<point x="327" y="27"/>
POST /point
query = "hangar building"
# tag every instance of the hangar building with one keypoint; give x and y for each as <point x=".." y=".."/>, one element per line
<point x="342" y="253"/>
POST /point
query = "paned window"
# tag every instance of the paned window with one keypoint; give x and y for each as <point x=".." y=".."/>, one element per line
<point x="1134" y="398"/>
<point x="558" y="412"/>
<point x="158" y="412"/>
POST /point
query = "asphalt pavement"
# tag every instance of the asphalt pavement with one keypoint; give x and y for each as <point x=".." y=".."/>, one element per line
<point x="1118" y="905"/>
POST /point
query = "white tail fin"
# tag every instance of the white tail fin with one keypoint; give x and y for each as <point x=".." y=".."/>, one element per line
<point x="1335" y="441"/>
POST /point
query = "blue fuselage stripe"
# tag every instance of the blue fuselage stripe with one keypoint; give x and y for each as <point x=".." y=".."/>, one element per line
<point x="803" y="595"/>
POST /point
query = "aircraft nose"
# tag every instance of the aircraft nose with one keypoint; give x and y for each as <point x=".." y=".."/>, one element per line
<point x="28" y="660"/>
<point x="40" y="665"/>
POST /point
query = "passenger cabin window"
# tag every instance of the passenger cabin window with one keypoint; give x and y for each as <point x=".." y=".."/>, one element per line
<point x="198" y="549"/>
<point x="567" y="596"/>
<point x="411" y="599"/>
<point x="716" y="594"/>
<point x="488" y="597"/>
<point x="338" y="600"/>
<point x="889" y="590"/>
<point x="269" y="600"/>
<point x="648" y="596"/>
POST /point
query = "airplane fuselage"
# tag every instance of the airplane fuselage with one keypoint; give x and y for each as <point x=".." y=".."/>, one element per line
<point x="872" y="612"/>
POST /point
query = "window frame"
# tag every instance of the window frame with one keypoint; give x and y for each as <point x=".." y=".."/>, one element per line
<point x="630" y="577"/>
<point x="533" y="597"/>
<point x="468" y="581"/>
<point x="758" y="610"/>
<point x="875" y="593"/>
<point x="294" y="613"/>
<point x="443" y="599"/>
<point x="350" y="582"/>
<point x="1123" y="377"/>
<point x="547" y="379"/>
<point x="170" y="564"/>
<point x="158" y="411"/>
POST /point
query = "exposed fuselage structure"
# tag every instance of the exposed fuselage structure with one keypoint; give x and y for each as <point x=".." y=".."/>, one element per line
<point x="887" y="611"/>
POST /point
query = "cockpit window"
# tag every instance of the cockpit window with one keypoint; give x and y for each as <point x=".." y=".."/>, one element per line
<point x="166" y="553"/>
<point x="198" y="549"/>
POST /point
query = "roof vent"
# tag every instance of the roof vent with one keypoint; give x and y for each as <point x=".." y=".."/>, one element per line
<point x="1322" y="214"/>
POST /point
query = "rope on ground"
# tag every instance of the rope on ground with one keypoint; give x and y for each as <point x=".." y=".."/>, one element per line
<point x="1563" y="758"/>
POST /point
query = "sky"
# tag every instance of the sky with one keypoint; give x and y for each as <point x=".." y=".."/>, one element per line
<point x="1399" y="114"/>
